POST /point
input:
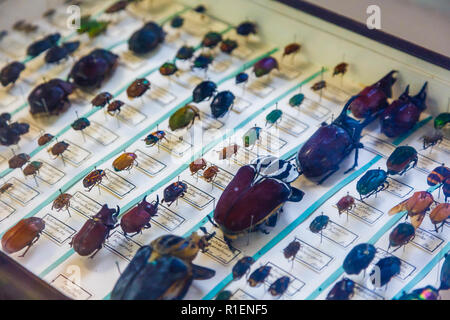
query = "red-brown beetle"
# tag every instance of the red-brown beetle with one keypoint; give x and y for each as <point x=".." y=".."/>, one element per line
<point x="32" y="168"/>
<point x="138" y="88"/>
<point x="139" y="217"/>
<point x="440" y="214"/>
<point x="432" y="140"/>
<point x="91" y="237"/>
<point x="101" y="99"/>
<point x="319" y="85"/>
<point x="211" y="173"/>
<point x="114" y="107"/>
<point x="59" y="148"/>
<point x="228" y="152"/>
<point x="291" y="250"/>
<point x="291" y="48"/>
<point x="18" y="160"/>
<point x="341" y="68"/>
<point x="346" y="203"/>
<point x="44" y="139"/>
<point x="197" y="165"/>
<point x="5" y="187"/>
<point x="62" y="202"/>
<point x="416" y="206"/>
<point x="24" y="234"/>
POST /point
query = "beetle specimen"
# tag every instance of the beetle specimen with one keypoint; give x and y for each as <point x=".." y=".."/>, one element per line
<point x="341" y="68"/>
<point x="346" y="203"/>
<point x="10" y="132"/>
<point x="318" y="224"/>
<point x="242" y="209"/>
<point x="438" y="175"/>
<point x="5" y="187"/>
<point x="94" y="178"/>
<point x="292" y="249"/>
<point x="246" y="28"/>
<point x="114" y="107"/>
<point x="296" y="100"/>
<point x="330" y="144"/>
<point x="204" y="91"/>
<point x="183" y="117"/>
<point x="93" y="234"/>
<point x="49" y="13"/>
<point x="44" y="139"/>
<point x="185" y="53"/>
<point x="51" y="97"/>
<point x="273" y="117"/>
<point x="280" y="286"/>
<point x="24" y="234"/>
<point x="441" y="120"/>
<point x="228" y="152"/>
<point x="401" y="160"/>
<point x="265" y="66"/>
<point x="445" y="273"/>
<point x="117" y="6"/>
<point x="292" y="48"/>
<point x="222" y="103"/>
<point x="57" y="53"/>
<point x="146" y="39"/>
<point x="32" y="168"/>
<point x="241" y="77"/>
<point x="177" y="22"/>
<point x="39" y="46"/>
<point x="197" y="165"/>
<point x="388" y="268"/>
<point x="202" y="61"/>
<point x="125" y="161"/>
<point x="163" y="270"/>
<point x="251" y="136"/>
<point x="342" y="290"/>
<point x="92" y="27"/>
<point x="62" y="202"/>
<point x="259" y="275"/>
<point x="80" y="124"/>
<point x="373" y="98"/>
<point x="416" y="206"/>
<point x="211" y="173"/>
<point x="427" y="293"/>
<point x="18" y="160"/>
<point x="440" y="214"/>
<point x="139" y="217"/>
<point x="11" y="72"/>
<point x="174" y="191"/>
<point x="432" y="140"/>
<point x="228" y="46"/>
<point x="138" y="88"/>
<point x="319" y="85"/>
<point x="24" y="26"/>
<point x="224" y="295"/>
<point x="200" y="9"/>
<point x="211" y="39"/>
<point x="93" y="68"/>
<point x="359" y="258"/>
<point x="372" y="182"/>
<point x="402" y="234"/>
<point x="168" y="69"/>
<point x="154" y="138"/>
<point x="446" y="188"/>
<point x="59" y="148"/>
<point x="242" y="267"/>
<point x="102" y="99"/>
<point x="402" y="114"/>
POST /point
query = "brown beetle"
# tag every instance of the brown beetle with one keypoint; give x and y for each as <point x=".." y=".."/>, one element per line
<point x="117" y="6"/>
<point x="114" y="107"/>
<point x="228" y="152"/>
<point x="211" y="173"/>
<point x="44" y="139"/>
<point x="319" y="85"/>
<point x="291" y="48"/>
<point x="292" y="249"/>
<point x="125" y="161"/>
<point x="341" y="68"/>
<point x="346" y="203"/>
<point x="432" y="140"/>
<point x="18" y="160"/>
<point x="197" y="165"/>
<point x="62" y="202"/>
<point x="24" y="234"/>
<point x="59" y="148"/>
<point x="5" y="187"/>
<point x="32" y="168"/>
<point x="440" y="214"/>
<point x="138" y="88"/>
<point x="101" y="99"/>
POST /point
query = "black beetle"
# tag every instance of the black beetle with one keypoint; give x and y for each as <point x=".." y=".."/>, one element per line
<point x="359" y="258"/>
<point x="57" y="53"/>
<point x="146" y="38"/>
<point x="342" y="290"/>
<point x="221" y="103"/>
<point x="242" y="267"/>
<point x="330" y="144"/>
<point x="92" y="69"/>
<point x="50" y="97"/>
<point x="204" y="91"/>
<point x="39" y="46"/>
<point x="259" y="275"/>
<point x="11" y="72"/>
<point x="388" y="268"/>
<point x="10" y="133"/>
<point x="279" y="286"/>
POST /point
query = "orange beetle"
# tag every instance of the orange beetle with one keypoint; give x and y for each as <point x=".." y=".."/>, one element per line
<point x="211" y="173"/>
<point x="440" y="214"/>
<point x="125" y="161"/>
<point x="24" y="234"/>
<point x="197" y="165"/>
<point x="416" y="206"/>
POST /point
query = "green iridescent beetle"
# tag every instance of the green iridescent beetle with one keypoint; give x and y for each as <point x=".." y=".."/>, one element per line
<point x="183" y="117"/>
<point x="93" y="27"/>
<point x="273" y="117"/>
<point x="441" y="120"/>
<point x="296" y="100"/>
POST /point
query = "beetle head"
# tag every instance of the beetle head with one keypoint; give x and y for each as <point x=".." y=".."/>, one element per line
<point x="149" y="207"/>
<point x="108" y="216"/>
<point x="275" y="168"/>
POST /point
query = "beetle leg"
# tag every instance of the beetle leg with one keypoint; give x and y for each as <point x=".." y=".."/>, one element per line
<point x="355" y="164"/>
<point x="96" y="251"/>
<point x="328" y="175"/>
<point x="29" y="246"/>
<point x="228" y="242"/>
<point x="212" y="222"/>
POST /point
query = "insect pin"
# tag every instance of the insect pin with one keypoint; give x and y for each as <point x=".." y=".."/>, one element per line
<point x="384" y="270"/>
<point x="62" y="202"/>
<point x="32" y="169"/>
<point x="80" y="125"/>
<point x="372" y="182"/>
<point x="296" y="100"/>
<point x="274" y="117"/>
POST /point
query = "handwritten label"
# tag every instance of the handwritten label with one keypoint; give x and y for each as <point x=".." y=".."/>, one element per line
<point x="241" y="295"/>
<point x="7" y="99"/>
<point x="366" y="212"/>
<point x="377" y="146"/>
<point x="49" y="173"/>
<point x="244" y="156"/>
<point x="122" y="246"/>
<point x="188" y="80"/>
<point x="160" y="95"/>
<point x="219" y="251"/>
<point x="131" y="115"/>
<point x="312" y="257"/>
<point x="100" y="134"/>
<point x="131" y="60"/>
<point x="167" y="219"/>
<point x="148" y="164"/>
<point x="57" y="230"/>
<point x="84" y="204"/>
<point x="426" y="240"/>
<point x="174" y="144"/>
<point x="5" y="211"/>
<point x="221" y="64"/>
<point x="276" y="272"/>
<point x="426" y="164"/>
<point x="260" y="88"/>
<point x="223" y="178"/>
<point x="271" y="142"/>
<point x="196" y="197"/>
<point x="289" y="71"/>
<point x="116" y="184"/>
<point x="363" y="293"/>
<point x="71" y="289"/>
<point x="75" y="154"/>
<point x="240" y="104"/>
<point x="314" y="109"/>
<point x="339" y="234"/>
<point x="398" y="188"/>
<point x="291" y="125"/>
<point x="21" y="191"/>
<point x="209" y="122"/>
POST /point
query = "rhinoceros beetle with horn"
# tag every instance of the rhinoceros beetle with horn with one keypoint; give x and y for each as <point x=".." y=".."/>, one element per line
<point x="255" y="196"/>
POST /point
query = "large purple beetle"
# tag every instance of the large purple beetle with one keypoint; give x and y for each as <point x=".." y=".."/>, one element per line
<point x="92" y="69"/>
<point x="50" y="97"/>
<point x="403" y="113"/>
<point x="95" y="231"/>
<point x="139" y="217"/>
<point x="255" y="196"/>
<point x="330" y="144"/>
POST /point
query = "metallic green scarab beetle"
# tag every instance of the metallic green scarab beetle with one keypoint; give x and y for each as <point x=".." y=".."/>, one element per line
<point x="296" y="100"/>
<point x="273" y="117"/>
<point x="183" y="117"/>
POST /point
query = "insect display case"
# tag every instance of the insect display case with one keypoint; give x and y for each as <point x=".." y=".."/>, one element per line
<point x="283" y="145"/>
